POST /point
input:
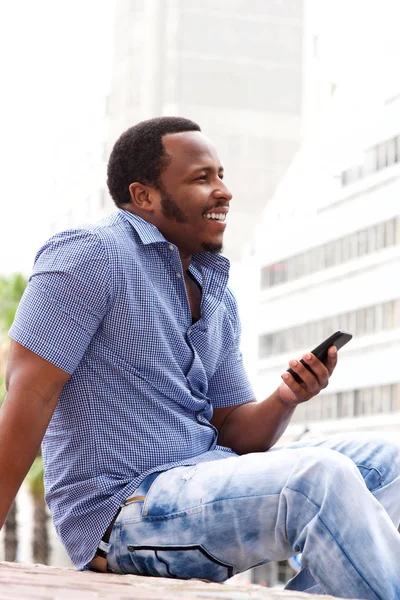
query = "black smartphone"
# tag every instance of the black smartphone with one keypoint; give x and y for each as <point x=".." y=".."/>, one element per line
<point x="338" y="339"/>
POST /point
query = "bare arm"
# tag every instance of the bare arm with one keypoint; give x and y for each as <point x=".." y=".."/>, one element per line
<point x="33" y="386"/>
<point x="257" y="426"/>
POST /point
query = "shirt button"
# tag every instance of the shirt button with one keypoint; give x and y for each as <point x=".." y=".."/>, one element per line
<point x="178" y="275"/>
<point x="171" y="247"/>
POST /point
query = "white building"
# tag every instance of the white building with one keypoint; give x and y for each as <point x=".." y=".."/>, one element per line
<point x="235" y="67"/>
<point x="328" y="253"/>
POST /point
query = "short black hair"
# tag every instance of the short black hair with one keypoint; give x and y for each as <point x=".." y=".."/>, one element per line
<point x="139" y="155"/>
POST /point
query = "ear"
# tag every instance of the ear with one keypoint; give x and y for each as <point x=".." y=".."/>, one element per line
<point x="143" y="196"/>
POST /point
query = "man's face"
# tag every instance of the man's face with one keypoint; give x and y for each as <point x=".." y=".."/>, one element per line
<point x="194" y="201"/>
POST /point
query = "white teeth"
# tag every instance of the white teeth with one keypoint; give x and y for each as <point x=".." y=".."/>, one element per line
<point x="216" y="216"/>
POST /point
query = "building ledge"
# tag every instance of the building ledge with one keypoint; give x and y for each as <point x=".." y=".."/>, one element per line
<point x="48" y="583"/>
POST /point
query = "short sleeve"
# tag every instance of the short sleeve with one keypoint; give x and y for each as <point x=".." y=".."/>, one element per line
<point x="66" y="299"/>
<point x="230" y="384"/>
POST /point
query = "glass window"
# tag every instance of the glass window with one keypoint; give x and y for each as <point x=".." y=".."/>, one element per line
<point x="388" y="316"/>
<point x="379" y="317"/>
<point x="371" y="235"/>
<point x="264" y="278"/>
<point x="397" y="230"/>
<point x="378" y="400"/>
<point x="329" y="407"/>
<point x="396" y="313"/>
<point x="360" y="322"/>
<point x="345" y="248"/>
<point x="379" y="236"/>
<point x="358" y="402"/>
<point x="389" y="233"/>
<point x="370" y="319"/>
<point x="371" y="160"/>
<point x="391" y="151"/>
<point x="353" y="246"/>
<point x="337" y="251"/>
<point x="382" y="155"/>
<point x="329" y="255"/>
<point x="398" y="148"/>
<point x="345" y="404"/>
<point x="352" y="322"/>
<point x="362" y="242"/>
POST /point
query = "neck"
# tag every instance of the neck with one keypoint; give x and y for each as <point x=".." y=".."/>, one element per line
<point x="186" y="260"/>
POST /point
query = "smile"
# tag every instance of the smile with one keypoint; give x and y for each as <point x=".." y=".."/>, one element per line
<point x="216" y="216"/>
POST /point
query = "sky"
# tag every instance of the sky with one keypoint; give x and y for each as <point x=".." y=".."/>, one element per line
<point x="55" y="61"/>
<point x="55" y="66"/>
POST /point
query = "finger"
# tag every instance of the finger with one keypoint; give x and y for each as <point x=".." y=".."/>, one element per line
<point x="297" y="387"/>
<point x="331" y="359"/>
<point x="319" y="370"/>
<point x="309" y="381"/>
<point x="318" y="367"/>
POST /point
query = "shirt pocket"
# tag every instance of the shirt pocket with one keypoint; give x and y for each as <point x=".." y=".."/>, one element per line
<point x="183" y="562"/>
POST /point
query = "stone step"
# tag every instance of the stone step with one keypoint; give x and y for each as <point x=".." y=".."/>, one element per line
<point x="38" y="582"/>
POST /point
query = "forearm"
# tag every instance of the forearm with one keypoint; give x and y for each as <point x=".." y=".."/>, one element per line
<point x="256" y="426"/>
<point x="23" y="422"/>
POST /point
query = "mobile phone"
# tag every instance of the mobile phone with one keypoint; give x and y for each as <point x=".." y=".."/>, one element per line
<point x="338" y="339"/>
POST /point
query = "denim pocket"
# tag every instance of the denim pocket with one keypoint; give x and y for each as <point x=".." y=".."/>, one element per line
<point x="183" y="562"/>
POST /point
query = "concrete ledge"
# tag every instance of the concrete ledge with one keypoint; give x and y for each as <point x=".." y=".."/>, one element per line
<point x="50" y="583"/>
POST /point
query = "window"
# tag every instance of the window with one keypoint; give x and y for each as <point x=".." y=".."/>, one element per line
<point x="329" y="255"/>
<point x="345" y="404"/>
<point x="389" y="233"/>
<point x="370" y="319"/>
<point x="371" y="162"/>
<point x="371" y="239"/>
<point x="382" y="155"/>
<point x="388" y="316"/>
<point x="380" y="236"/>
<point x="398" y="148"/>
<point x="397" y="230"/>
<point x="362" y="242"/>
<point x="357" y="244"/>
<point x="360" y="322"/>
<point x="391" y="152"/>
<point x="346" y="248"/>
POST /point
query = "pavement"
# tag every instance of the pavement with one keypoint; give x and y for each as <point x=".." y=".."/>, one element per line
<point x="38" y="582"/>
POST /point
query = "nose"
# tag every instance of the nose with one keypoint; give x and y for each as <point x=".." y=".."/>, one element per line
<point x="222" y="191"/>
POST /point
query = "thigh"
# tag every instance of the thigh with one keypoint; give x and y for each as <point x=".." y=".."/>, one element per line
<point x="209" y="521"/>
<point x="376" y="457"/>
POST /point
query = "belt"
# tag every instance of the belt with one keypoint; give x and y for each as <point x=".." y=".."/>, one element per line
<point x="99" y="562"/>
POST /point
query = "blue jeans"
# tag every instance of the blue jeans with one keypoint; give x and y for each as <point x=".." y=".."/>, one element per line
<point x="336" y="501"/>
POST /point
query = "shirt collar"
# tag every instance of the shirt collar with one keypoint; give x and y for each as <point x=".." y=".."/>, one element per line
<point x="149" y="234"/>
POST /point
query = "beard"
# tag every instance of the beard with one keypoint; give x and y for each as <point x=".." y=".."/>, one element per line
<point x="212" y="248"/>
<point x="171" y="211"/>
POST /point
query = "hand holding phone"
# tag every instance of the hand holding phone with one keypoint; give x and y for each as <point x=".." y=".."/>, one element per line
<point x="338" y="339"/>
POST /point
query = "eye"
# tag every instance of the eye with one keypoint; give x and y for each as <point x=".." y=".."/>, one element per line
<point x="202" y="177"/>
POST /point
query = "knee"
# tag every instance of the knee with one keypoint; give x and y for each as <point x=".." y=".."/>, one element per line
<point x="319" y="470"/>
<point x="383" y="455"/>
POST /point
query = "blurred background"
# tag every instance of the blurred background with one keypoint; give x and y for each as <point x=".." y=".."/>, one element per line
<point x="302" y="101"/>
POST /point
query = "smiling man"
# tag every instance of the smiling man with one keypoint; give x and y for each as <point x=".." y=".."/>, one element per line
<point x="125" y="356"/>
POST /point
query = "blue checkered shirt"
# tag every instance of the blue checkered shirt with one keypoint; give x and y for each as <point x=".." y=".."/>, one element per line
<point x="107" y="304"/>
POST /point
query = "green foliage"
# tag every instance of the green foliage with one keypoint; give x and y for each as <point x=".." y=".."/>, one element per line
<point x="11" y="290"/>
<point x="35" y="479"/>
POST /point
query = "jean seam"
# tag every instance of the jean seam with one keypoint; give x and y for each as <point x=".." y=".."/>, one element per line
<point x="332" y="536"/>
<point x="372" y="469"/>
<point x="118" y="547"/>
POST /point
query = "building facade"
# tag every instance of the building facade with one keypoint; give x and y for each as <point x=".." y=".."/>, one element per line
<point x="234" y="68"/>
<point x="333" y="262"/>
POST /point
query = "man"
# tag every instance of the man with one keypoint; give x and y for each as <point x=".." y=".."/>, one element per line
<point x="158" y="460"/>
